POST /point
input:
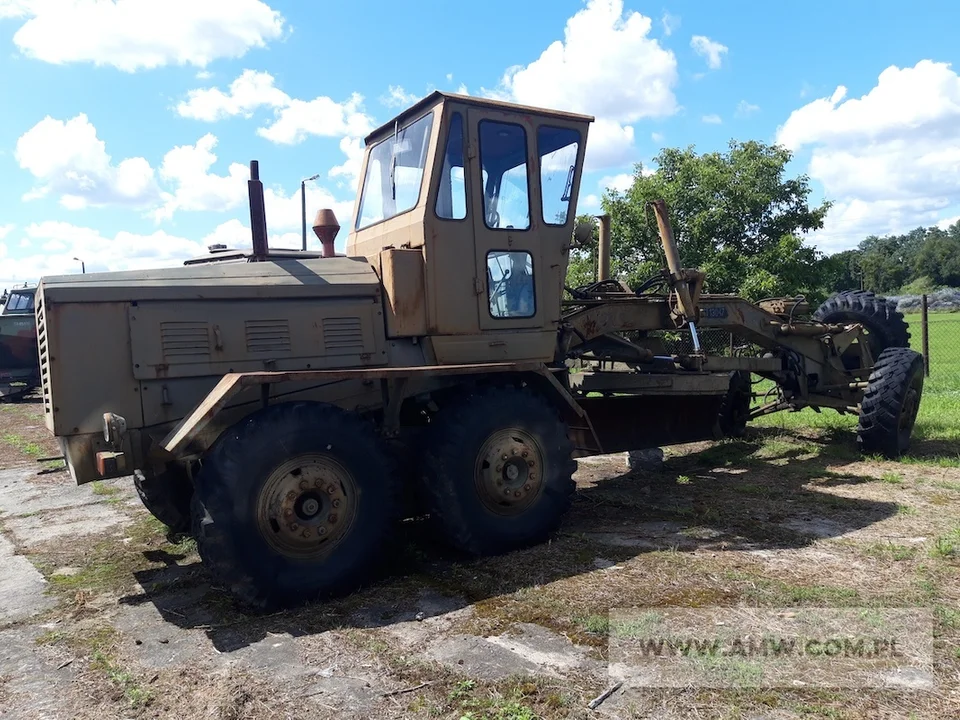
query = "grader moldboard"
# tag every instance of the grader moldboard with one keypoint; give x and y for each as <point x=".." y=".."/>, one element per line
<point x="280" y="403"/>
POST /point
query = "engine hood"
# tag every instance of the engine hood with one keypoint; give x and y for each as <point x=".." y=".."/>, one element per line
<point x="275" y="278"/>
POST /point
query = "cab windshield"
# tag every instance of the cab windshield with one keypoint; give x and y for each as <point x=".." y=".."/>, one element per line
<point x="395" y="173"/>
<point x="19" y="302"/>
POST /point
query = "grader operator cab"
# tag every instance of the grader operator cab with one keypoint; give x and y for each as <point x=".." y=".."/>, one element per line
<point x="279" y="404"/>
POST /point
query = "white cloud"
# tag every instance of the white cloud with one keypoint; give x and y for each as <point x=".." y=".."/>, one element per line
<point x="889" y="158"/>
<point x="946" y="223"/>
<point x="620" y="183"/>
<point x="607" y="65"/>
<point x="350" y="169"/>
<point x="670" y="23"/>
<point x="449" y="77"/>
<point x="137" y="34"/>
<point x="204" y="75"/>
<point x="321" y="116"/>
<point x="14" y="8"/>
<point x="397" y="97"/>
<point x="187" y="169"/>
<point x="589" y="204"/>
<point x="745" y="109"/>
<point x="712" y="119"/>
<point x="657" y="137"/>
<point x="709" y="49"/>
<point x="51" y="246"/>
<point x="68" y="159"/>
<point x="248" y="92"/>
<point x="6" y="230"/>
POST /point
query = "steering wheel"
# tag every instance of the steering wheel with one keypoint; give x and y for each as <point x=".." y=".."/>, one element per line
<point x="493" y="219"/>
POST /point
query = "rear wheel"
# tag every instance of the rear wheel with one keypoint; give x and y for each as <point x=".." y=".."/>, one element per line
<point x="735" y="408"/>
<point x="497" y="472"/>
<point x="883" y="323"/>
<point x="294" y="503"/>
<point x="167" y="497"/>
<point x="890" y="403"/>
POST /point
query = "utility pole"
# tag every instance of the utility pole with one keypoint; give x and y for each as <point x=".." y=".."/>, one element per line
<point x="303" y="205"/>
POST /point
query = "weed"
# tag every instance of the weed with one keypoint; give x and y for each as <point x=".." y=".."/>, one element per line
<point x="892" y="478"/>
<point x="23" y="445"/>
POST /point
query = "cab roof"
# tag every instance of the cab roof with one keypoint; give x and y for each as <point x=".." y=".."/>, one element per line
<point x="438" y="96"/>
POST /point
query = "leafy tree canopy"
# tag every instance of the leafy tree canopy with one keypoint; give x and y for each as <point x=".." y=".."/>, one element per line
<point x="736" y="215"/>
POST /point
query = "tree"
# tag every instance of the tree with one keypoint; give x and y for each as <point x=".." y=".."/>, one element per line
<point x="939" y="258"/>
<point x="735" y="215"/>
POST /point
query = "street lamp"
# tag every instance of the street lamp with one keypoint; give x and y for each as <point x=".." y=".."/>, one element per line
<point x="83" y="267"/>
<point x="303" y="205"/>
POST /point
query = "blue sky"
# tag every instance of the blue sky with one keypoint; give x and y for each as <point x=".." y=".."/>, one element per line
<point x="127" y="124"/>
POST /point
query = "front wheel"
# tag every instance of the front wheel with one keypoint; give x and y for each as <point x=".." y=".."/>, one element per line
<point x="294" y="503"/>
<point x="167" y="497"/>
<point x="497" y="472"/>
<point x="890" y="403"/>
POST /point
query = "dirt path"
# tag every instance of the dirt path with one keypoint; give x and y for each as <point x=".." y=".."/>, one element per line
<point x="102" y="616"/>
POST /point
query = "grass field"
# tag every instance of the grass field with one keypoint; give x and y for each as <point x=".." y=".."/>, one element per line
<point x="938" y="425"/>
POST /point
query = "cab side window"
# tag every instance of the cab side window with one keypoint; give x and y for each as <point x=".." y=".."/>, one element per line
<point x="557" y="148"/>
<point x="503" y="162"/>
<point x="510" y="279"/>
<point x="452" y="193"/>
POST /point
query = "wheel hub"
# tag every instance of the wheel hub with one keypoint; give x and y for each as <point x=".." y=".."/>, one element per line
<point x="306" y="506"/>
<point x="509" y="472"/>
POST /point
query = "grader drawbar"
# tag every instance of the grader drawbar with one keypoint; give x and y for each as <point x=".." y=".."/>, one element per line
<point x="287" y="407"/>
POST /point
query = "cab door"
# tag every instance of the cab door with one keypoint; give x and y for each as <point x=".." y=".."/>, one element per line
<point x="505" y="192"/>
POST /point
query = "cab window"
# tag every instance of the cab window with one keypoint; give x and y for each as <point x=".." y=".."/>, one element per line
<point x="510" y="280"/>
<point x="451" y="192"/>
<point x="20" y="302"/>
<point x="557" y="148"/>
<point x="394" y="173"/>
<point x="503" y="162"/>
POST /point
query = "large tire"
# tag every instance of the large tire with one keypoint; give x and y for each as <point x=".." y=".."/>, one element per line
<point x="481" y="506"/>
<point x="890" y="403"/>
<point x="167" y="497"/>
<point x="295" y="503"/>
<point x="735" y="409"/>
<point x="884" y="324"/>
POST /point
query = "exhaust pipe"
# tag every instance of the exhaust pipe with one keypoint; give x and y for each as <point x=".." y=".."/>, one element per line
<point x="603" y="249"/>
<point x="258" y="216"/>
<point x="326" y="227"/>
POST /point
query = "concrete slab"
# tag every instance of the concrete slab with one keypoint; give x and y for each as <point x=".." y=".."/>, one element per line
<point x="22" y="587"/>
<point x="41" y="687"/>
<point x="77" y="521"/>
<point x="479" y="658"/>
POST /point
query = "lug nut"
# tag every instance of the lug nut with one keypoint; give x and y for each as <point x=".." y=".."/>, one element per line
<point x="526" y="488"/>
<point x="531" y="476"/>
<point x="303" y="485"/>
<point x="331" y="489"/>
<point x="321" y="531"/>
<point x="513" y="451"/>
<point x="516" y="494"/>
<point x="504" y="457"/>
<point x="499" y="468"/>
<point x="306" y="533"/>
<point x="318" y="483"/>
<point x="336" y="502"/>
<point x="506" y="492"/>
<point x="524" y="453"/>
<point x="288" y="513"/>
<point x="332" y="517"/>
<point x="294" y="527"/>
<point x="291" y="495"/>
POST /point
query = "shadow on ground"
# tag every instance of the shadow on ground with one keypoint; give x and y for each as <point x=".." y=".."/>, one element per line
<point x="759" y="492"/>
